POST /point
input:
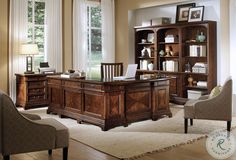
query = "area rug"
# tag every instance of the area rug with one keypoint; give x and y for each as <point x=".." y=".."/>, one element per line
<point x="140" y="138"/>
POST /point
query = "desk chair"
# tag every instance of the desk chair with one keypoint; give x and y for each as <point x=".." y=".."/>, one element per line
<point x="110" y="70"/>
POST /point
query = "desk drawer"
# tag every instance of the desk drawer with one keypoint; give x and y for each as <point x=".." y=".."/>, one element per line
<point x="36" y="84"/>
<point x="71" y="84"/>
<point x="36" y="91"/>
<point x="54" y="81"/>
<point x="93" y="87"/>
<point x="36" y="98"/>
<point x="36" y="78"/>
<point x="161" y="83"/>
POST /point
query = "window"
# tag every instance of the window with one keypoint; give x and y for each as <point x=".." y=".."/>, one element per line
<point x="36" y="28"/>
<point x="94" y="41"/>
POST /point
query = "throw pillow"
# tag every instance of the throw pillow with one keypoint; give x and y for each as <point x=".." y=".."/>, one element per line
<point x="215" y="91"/>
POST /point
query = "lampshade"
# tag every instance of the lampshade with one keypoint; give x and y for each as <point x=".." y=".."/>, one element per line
<point x="29" y="49"/>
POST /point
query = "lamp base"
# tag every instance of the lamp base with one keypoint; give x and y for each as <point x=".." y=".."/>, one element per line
<point x="28" y="72"/>
<point x="29" y="66"/>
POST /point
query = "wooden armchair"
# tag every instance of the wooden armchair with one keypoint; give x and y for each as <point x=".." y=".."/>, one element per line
<point x="19" y="134"/>
<point x="110" y="70"/>
<point x="218" y="107"/>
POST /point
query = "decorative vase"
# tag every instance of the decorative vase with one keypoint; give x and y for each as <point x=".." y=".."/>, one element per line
<point x="201" y="37"/>
<point x="150" y="66"/>
<point x="145" y="52"/>
<point x="162" y="53"/>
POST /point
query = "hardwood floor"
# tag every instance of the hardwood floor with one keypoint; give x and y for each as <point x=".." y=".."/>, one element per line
<point x="79" y="151"/>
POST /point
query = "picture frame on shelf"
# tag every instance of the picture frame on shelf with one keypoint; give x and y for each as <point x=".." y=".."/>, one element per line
<point x="182" y="12"/>
<point x="150" y="37"/>
<point x="196" y="14"/>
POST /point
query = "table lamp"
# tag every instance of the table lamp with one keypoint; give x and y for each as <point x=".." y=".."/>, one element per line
<point x="29" y="50"/>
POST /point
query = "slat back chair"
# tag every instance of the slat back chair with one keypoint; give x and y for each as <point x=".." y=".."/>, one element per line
<point x="110" y="70"/>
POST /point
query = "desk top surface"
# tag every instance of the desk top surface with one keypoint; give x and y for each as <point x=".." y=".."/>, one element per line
<point x="139" y="79"/>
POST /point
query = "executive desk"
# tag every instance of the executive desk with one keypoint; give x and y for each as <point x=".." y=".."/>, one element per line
<point x="109" y="103"/>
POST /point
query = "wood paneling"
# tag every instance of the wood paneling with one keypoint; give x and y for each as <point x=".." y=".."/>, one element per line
<point x="92" y="104"/>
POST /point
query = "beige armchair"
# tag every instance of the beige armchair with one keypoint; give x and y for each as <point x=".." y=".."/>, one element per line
<point x="215" y="108"/>
<point x="19" y="134"/>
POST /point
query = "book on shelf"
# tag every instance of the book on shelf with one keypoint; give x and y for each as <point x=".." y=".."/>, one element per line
<point x="171" y="66"/>
<point x="197" y="51"/>
<point x="202" y="83"/>
<point x="143" y="64"/>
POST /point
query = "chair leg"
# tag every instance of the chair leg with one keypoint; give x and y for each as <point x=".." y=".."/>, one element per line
<point x="186" y="125"/>
<point x="7" y="157"/>
<point x="65" y="153"/>
<point x="50" y="152"/>
<point x="228" y="125"/>
<point x="191" y="122"/>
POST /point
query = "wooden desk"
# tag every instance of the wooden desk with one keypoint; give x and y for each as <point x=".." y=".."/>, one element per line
<point x="109" y="103"/>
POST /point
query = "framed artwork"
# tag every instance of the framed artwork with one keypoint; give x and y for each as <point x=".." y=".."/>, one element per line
<point x="150" y="37"/>
<point x="196" y="14"/>
<point x="182" y="12"/>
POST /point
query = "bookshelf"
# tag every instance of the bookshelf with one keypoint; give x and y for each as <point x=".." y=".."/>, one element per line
<point x="180" y="51"/>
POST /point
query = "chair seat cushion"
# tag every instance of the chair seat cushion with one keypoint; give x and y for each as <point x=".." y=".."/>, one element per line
<point x="62" y="133"/>
<point x="189" y="111"/>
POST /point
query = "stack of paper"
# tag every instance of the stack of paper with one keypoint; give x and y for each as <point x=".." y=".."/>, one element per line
<point x="65" y="75"/>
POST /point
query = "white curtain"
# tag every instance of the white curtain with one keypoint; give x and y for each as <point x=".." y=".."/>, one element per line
<point x="80" y="46"/>
<point x="18" y="35"/>
<point x="108" y="30"/>
<point x="53" y="32"/>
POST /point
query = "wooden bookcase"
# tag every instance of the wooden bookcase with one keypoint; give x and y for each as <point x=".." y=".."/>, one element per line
<point x="184" y="35"/>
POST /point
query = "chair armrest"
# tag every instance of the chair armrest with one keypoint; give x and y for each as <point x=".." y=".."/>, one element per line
<point x="216" y="108"/>
<point x="19" y="134"/>
<point x="28" y="136"/>
<point x="30" y="116"/>
<point x="203" y="97"/>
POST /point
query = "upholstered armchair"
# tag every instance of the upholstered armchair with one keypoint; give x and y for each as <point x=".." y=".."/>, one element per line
<point x="19" y="134"/>
<point x="218" y="107"/>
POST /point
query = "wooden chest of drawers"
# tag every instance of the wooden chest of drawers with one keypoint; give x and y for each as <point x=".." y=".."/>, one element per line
<point x="31" y="90"/>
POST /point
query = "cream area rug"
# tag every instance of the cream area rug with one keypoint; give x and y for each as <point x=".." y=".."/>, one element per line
<point x="138" y="138"/>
